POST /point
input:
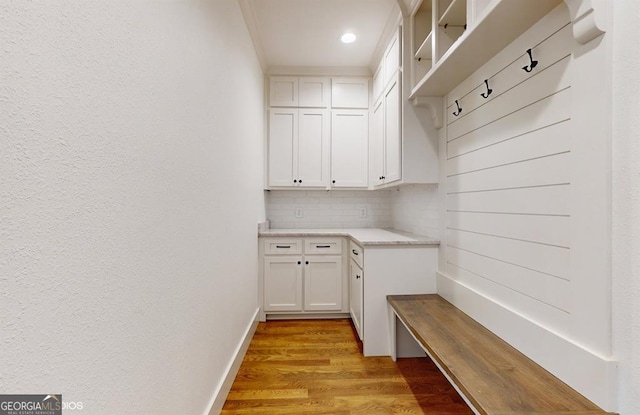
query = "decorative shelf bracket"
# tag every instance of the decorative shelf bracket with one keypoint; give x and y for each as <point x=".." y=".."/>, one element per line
<point x="587" y="18"/>
<point x="434" y="105"/>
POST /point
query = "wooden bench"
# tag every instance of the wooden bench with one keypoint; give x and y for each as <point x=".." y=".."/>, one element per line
<point x="492" y="376"/>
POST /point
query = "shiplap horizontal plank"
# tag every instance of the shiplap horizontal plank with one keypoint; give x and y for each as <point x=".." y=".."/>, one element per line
<point x="552" y="22"/>
<point x="546" y="112"/>
<point x="546" y="200"/>
<point x="542" y="287"/>
<point x="551" y="230"/>
<point x="553" y="49"/>
<point x="551" y="317"/>
<point x="553" y="139"/>
<point x="544" y="83"/>
<point x="546" y="259"/>
<point x="554" y="169"/>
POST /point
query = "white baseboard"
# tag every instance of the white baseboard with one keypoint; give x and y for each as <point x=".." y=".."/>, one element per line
<point x="232" y="369"/>
<point x="592" y="375"/>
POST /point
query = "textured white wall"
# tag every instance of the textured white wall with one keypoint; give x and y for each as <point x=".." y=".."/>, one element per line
<point x="626" y="203"/>
<point x="131" y="172"/>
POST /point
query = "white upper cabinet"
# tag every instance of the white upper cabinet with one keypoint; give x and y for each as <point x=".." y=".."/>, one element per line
<point x="299" y="92"/>
<point x="391" y="58"/>
<point x="298" y="154"/>
<point x="350" y="93"/>
<point x="313" y="148"/>
<point x="283" y="146"/>
<point x="377" y="143"/>
<point x="349" y="148"/>
<point x="313" y="92"/>
<point x="283" y="91"/>
<point x="392" y="130"/>
<point x="386" y="137"/>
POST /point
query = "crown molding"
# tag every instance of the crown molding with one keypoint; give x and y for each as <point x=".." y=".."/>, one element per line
<point x="249" y="13"/>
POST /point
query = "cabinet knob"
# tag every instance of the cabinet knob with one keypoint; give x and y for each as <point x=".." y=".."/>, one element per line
<point x="295" y="181"/>
<point x="333" y="181"/>
<point x="299" y="262"/>
<point x="299" y="180"/>
<point x="357" y="276"/>
<point x="306" y="262"/>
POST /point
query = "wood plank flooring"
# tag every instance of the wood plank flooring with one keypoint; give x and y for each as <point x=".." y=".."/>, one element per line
<point x="317" y="367"/>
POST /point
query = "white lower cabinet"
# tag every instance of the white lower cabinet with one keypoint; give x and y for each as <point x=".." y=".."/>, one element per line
<point x="283" y="283"/>
<point x="355" y="295"/>
<point x="323" y="283"/>
<point x="311" y="282"/>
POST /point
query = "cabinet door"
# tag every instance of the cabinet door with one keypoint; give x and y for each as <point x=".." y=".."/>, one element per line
<point x="313" y="92"/>
<point x="313" y="148"/>
<point x="393" y="136"/>
<point x="350" y="93"/>
<point x="349" y="148"/>
<point x="323" y="283"/>
<point x="283" y="283"/>
<point x="283" y="143"/>
<point x="283" y="91"/>
<point x="355" y="295"/>
<point x="392" y="58"/>
<point x="377" y="141"/>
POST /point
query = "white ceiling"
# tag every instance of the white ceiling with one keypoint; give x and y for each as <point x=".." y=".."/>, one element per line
<point x="306" y="32"/>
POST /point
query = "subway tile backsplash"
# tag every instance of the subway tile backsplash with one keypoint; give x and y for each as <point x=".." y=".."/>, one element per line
<point x="329" y="209"/>
<point x="409" y="208"/>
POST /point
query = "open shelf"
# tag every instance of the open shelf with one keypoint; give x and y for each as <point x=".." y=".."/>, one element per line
<point x="500" y="25"/>
<point x="455" y="15"/>
<point x="425" y="51"/>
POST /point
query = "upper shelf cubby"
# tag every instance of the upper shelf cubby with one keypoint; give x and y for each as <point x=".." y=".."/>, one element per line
<point x="467" y="34"/>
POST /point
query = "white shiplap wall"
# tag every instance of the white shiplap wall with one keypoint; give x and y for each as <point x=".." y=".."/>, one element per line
<point x="508" y="182"/>
<point x="515" y="178"/>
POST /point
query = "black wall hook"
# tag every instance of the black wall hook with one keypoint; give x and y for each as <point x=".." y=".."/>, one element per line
<point x="533" y="63"/>
<point x="489" y="90"/>
<point x="459" y="109"/>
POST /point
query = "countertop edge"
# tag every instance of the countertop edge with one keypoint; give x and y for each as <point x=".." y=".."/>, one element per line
<point x="415" y="239"/>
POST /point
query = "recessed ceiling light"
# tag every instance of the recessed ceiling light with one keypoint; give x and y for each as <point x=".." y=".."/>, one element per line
<point x="348" y="38"/>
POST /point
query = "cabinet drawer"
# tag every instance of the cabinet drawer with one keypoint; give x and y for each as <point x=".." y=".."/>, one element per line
<point x="356" y="253"/>
<point x="282" y="246"/>
<point x="323" y="246"/>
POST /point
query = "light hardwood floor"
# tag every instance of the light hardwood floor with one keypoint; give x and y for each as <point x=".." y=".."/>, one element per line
<point x="316" y="367"/>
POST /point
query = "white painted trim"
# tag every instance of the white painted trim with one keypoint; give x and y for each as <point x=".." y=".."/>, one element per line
<point x="249" y="13"/>
<point x="435" y="107"/>
<point x="590" y="374"/>
<point x="320" y="71"/>
<point x="220" y="396"/>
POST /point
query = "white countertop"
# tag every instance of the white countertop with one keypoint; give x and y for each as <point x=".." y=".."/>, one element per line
<point x="362" y="236"/>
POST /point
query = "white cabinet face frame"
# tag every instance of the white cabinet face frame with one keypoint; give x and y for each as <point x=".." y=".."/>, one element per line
<point x="392" y="132"/>
<point x="282" y="283"/>
<point x="350" y="93"/>
<point x="298" y="153"/>
<point x="349" y="148"/>
<point x="356" y="285"/>
<point x="377" y="143"/>
<point x="392" y="55"/>
<point x="283" y="91"/>
<point x="283" y="146"/>
<point x="313" y="92"/>
<point x="323" y="283"/>
<point x="299" y="92"/>
<point x="312" y="158"/>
